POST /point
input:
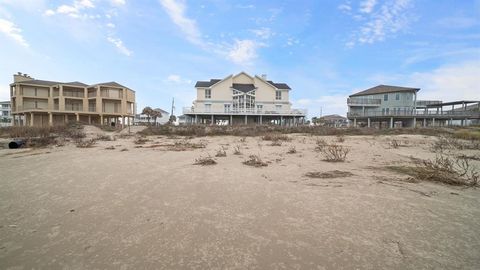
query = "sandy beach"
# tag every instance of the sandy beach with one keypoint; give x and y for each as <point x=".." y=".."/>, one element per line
<point x="147" y="206"/>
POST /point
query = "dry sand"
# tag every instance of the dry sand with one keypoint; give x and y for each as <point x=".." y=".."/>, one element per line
<point x="151" y="208"/>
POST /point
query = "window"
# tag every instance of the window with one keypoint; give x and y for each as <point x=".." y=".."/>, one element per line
<point x="387" y="110"/>
<point x="278" y="95"/>
<point x="383" y="111"/>
<point x="208" y="93"/>
<point x="397" y="96"/>
<point x="208" y="107"/>
<point x="226" y="107"/>
<point x="259" y="108"/>
<point x="278" y="108"/>
<point x="385" y="97"/>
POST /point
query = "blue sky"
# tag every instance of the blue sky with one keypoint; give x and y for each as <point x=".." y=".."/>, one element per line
<point x="325" y="50"/>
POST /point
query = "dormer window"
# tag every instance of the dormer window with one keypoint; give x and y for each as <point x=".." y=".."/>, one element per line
<point x="208" y="93"/>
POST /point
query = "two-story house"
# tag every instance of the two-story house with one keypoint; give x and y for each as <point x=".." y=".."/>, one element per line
<point x="399" y="106"/>
<point x="243" y="99"/>
<point x="43" y="103"/>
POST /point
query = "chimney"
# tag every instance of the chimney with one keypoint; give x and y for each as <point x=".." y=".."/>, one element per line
<point x="19" y="77"/>
<point x="264" y="77"/>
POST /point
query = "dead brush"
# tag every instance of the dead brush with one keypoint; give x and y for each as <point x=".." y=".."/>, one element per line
<point x="243" y="140"/>
<point x="85" y="143"/>
<point x="276" y="137"/>
<point x="236" y="150"/>
<point x="185" y="145"/>
<point x="110" y="148"/>
<point x="394" y="144"/>
<point x="329" y="174"/>
<point x="448" y="171"/>
<point x="335" y="153"/>
<point x="320" y="144"/>
<point x="340" y="138"/>
<point x="205" y="161"/>
<point x="292" y="150"/>
<point x="221" y="153"/>
<point x="140" y="140"/>
<point x="255" y="161"/>
<point x="104" y="138"/>
<point x="276" y="143"/>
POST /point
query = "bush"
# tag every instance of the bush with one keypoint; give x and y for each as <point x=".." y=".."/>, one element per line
<point x="335" y="153"/>
<point x="449" y="171"/>
<point x="320" y="144"/>
<point x="85" y="143"/>
<point x="221" y="153"/>
<point x="236" y="150"/>
<point x="255" y="161"/>
<point x="205" y="161"/>
<point x="276" y="137"/>
<point x="292" y="150"/>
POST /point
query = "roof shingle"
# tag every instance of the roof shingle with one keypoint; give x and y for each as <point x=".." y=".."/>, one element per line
<point x="243" y="87"/>
<point x="382" y="89"/>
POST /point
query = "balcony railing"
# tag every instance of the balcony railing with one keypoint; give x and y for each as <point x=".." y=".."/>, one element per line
<point x="424" y="103"/>
<point x="363" y="101"/>
<point x="92" y="109"/>
<point x="414" y="113"/>
<point x="92" y="94"/>
<point x="73" y="94"/>
<point x="293" y="112"/>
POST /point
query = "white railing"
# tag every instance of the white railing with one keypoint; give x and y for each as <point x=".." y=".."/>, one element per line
<point x="363" y="101"/>
<point x="423" y="103"/>
<point x="413" y="113"/>
<point x="192" y="110"/>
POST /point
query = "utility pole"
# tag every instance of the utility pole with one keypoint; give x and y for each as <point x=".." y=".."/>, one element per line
<point x="173" y="109"/>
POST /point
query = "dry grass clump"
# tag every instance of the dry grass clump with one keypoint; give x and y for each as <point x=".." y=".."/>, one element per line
<point x="335" y="153"/>
<point x="329" y="174"/>
<point x="452" y="143"/>
<point x="236" y="150"/>
<point x="395" y="144"/>
<point x="85" y="143"/>
<point x="255" y="161"/>
<point x="221" y="153"/>
<point x="104" y="138"/>
<point x="467" y="134"/>
<point x="140" y="140"/>
<point x="185" y="145"/>
<point x="243" y="140"/>
<point x="292" y="150"/>
<point x="124" y="150"/>
<point x="340" y="138"/>
<point x="205" y="161"/>
<point x="452" y="171"/>
<point x="276" y="137"/>
<point x="320" y="144"/>
<point x="276" y="143"/>
<point x="110" y="148"/>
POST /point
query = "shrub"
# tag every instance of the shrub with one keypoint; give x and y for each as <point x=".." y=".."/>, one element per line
<point x="320" y="144"/>
<point x="104" y="138"/>
<point x="329" y="174"/>
<point x="255" y="161"/>
<point x="276" y="137"/>
<point x="276" y="143"/>
<point x="205" y="161"/>
<point x="394" y="143"/>
<point x="221" y="153"/>
<point x="140" y="140"/>
<point x="292" y="150"/>
<point x="85" y="143"/>
<point x="110" y="148"/>
<point x="236" y="150"/>
<point x="449" y="171"/>
<point x="340" y="138"/>
<point x="335" y="153"/>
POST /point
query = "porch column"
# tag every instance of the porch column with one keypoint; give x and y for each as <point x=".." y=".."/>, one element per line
<point x="246" y="119"/>
<point x="31" y="119"/>
<point x="101" y="119"/>
<point x="65" y="118"/>
<point x="424" y="122"/>
<point x="433" y="122"/>
<point x="231" y="120"/>
<point x="261" y="120"/>
<point x="391" y="122"/>
<point x="50" y="119"/>
<point x="281" y="120"/>
<point x="451" y="121"/>
<point x="354" y="122"/>
<point x="196" y="119"/>
<point x="13" y="120"/>
<point x="89" y="119"/>
<point x="414" y="122"/>
<point x="213" y="118"/>
<point x="78" y="117"/>
<point x="368" y="122"/>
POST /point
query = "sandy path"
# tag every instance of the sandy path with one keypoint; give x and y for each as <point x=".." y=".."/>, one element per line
<point x="147" y="208"/>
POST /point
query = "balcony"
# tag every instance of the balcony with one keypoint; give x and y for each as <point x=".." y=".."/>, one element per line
<point x="363" y="102"/>
<point x="73" y="94"/>
<point x="292" y="112"/>
<point x="424" y="103"/>
<point x="412" y="113"/>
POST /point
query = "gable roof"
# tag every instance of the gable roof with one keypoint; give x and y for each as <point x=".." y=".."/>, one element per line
<point x="243" y="87"/>
<point x="383" y="89"/>
<point x="280" y="85"/>
<point x="207" y="83"/>
<point x="39" y="82"/>
<point x="112" y="84"/>
<point x="76" y="83"/>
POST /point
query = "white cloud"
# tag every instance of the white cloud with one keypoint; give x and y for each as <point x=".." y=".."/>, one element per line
<point x="176" y="12"/>
<point x="12" y="31"/>
<point x="174" y="78"/>
<point x="71" y="10"/>
<point x="390" y="18"/>
<point x="110" y="25"/>
<point x="367" y="6"/>
<point x="117" y="2"/>
<point x="243" y="51"/>
<point x="263" y="32"/>
<point x="120" y="46"/>
<point x="449" y="82"/>
<point x="345" y="7"/>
